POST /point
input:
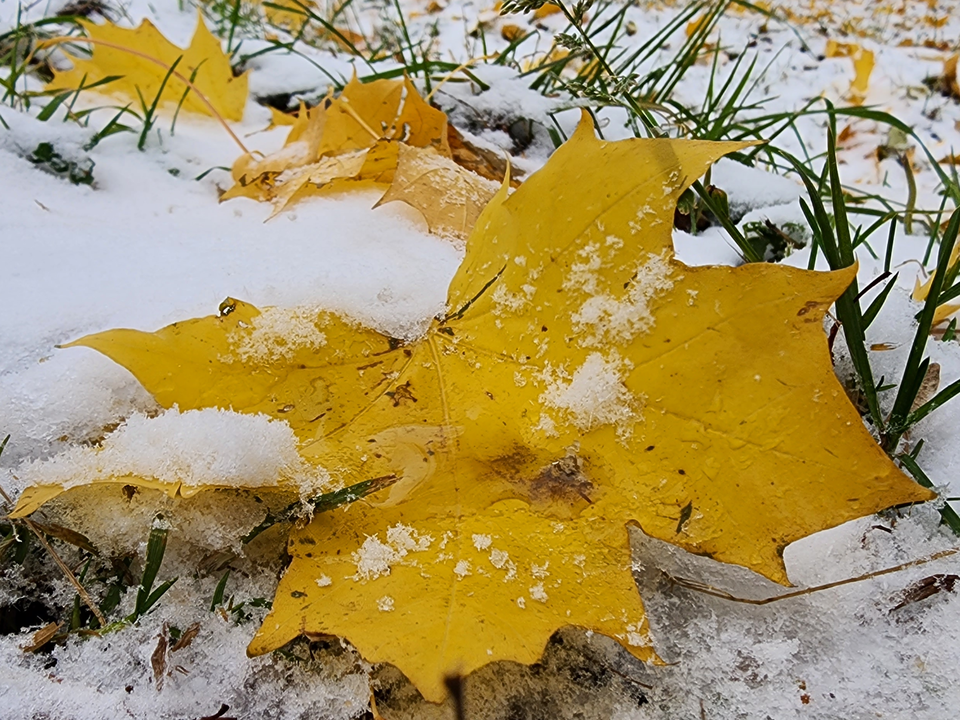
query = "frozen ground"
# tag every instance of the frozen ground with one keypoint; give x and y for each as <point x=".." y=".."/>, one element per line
<point x="148" y="245"/>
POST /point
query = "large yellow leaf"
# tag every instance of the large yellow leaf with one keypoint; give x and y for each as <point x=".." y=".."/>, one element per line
<point x="111" y="57"/>
<point x="366" y="122"/>
<point x="584" y="380"/>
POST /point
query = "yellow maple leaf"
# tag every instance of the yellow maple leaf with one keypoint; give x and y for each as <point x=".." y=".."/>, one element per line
<point x="142" y="56"/>
<point x="583" y="381"/>
<point x="363" y="127"/>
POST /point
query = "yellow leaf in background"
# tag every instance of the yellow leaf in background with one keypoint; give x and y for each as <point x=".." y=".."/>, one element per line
<point x="694" y="25"/>
<point x="583" y="381"/>
<point x="545" y="11"/>
<point x="291" y="14"/>
<point x="511" y="32"/>
<point x="371" y="118"/>
<point x="449" y="197"/>
<point x="214" y="75"/>
<point x="921" y="291"/>
<point x="863" y="62"/>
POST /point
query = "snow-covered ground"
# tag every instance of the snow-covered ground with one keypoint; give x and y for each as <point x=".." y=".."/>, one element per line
<point x="148" y="244"/>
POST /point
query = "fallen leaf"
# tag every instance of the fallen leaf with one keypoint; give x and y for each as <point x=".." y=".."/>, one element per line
<point x="351" y="137"/>
<point x="583" y="381"/>
<point x="483" y="162"/>
<point x="511" y="33"/>
<point x="928" y="386"/>
<point x="546" y="10"/>
<point x="863" y="62"/>
<point x="449" y="197"/>
<point x="920" y="291"/>
<point x="140" y="76"/>
<point x="288" y="14"/>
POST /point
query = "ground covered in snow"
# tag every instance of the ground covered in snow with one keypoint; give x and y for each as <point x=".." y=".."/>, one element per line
<point x="148" y="244"/>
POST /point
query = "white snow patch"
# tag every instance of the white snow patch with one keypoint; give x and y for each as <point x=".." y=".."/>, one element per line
<point x="604" y="319"/>
<point x="482" y="542"/>
<point x="538" y="593"/>
<point x="375" y="557"/>
<point x="594" y="396"/>
<point x="278" y="333"/>
<point x="195" y="448"/>
<point x="324" y="581"/>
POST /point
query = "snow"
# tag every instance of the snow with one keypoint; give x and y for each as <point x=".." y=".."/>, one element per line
<point x="595" y="395"/>
<point x="197" y="448"/>
<point x="603" y="319"/>
<point x="146" y="245"/>
<point x="375" y="557"/>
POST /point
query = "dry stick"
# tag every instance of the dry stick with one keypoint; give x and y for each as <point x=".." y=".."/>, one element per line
<point x="64" y="39"/>
<point x="81" y="591"/>
<point x="345" y="104"/>
<point x="710" y="590"/>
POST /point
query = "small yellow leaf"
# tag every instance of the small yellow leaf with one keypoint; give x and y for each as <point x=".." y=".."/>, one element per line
<point x="863" y="62"/>
<point x="111" y="56"/>
<point x="511" y="32"/>
<point x="546" y="10"/>
<point x="449" y="197"/>
<point x="365" y="124"/>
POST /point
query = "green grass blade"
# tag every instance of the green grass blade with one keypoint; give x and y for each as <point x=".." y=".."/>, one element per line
<point x="948" y="516"/>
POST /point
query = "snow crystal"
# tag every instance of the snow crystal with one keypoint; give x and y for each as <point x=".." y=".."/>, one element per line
<point x="595" y="395"/>
<point x="278" y="333"/>
<point x="604" y="319"/>
<point x="385" y="604"/>
<point x="538" y="593"/>
<point x="462" y="569"/>
<point x="521" y="602"/>
<point x="375" y="558"/>
<point x="482" y="542"/>
<point x="324" y="581"/>
<point x="498" y="558"/>
<point x="540" y="571"/>
<point x="195" y="448"/>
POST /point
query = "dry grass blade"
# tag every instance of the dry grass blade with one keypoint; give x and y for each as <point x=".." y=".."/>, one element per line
<point x="715" y="592"/>
<point x="188" y="636"/>
<point x="81" y="591"/>
<point x="42" y="636"/>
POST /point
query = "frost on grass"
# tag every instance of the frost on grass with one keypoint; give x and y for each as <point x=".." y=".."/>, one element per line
<point x="594" y="396"/>
<point x="375" y="557"/>
<point x="278" y="333"/>
<point x="196" y="448"/>
<point x="604" y="319"/>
